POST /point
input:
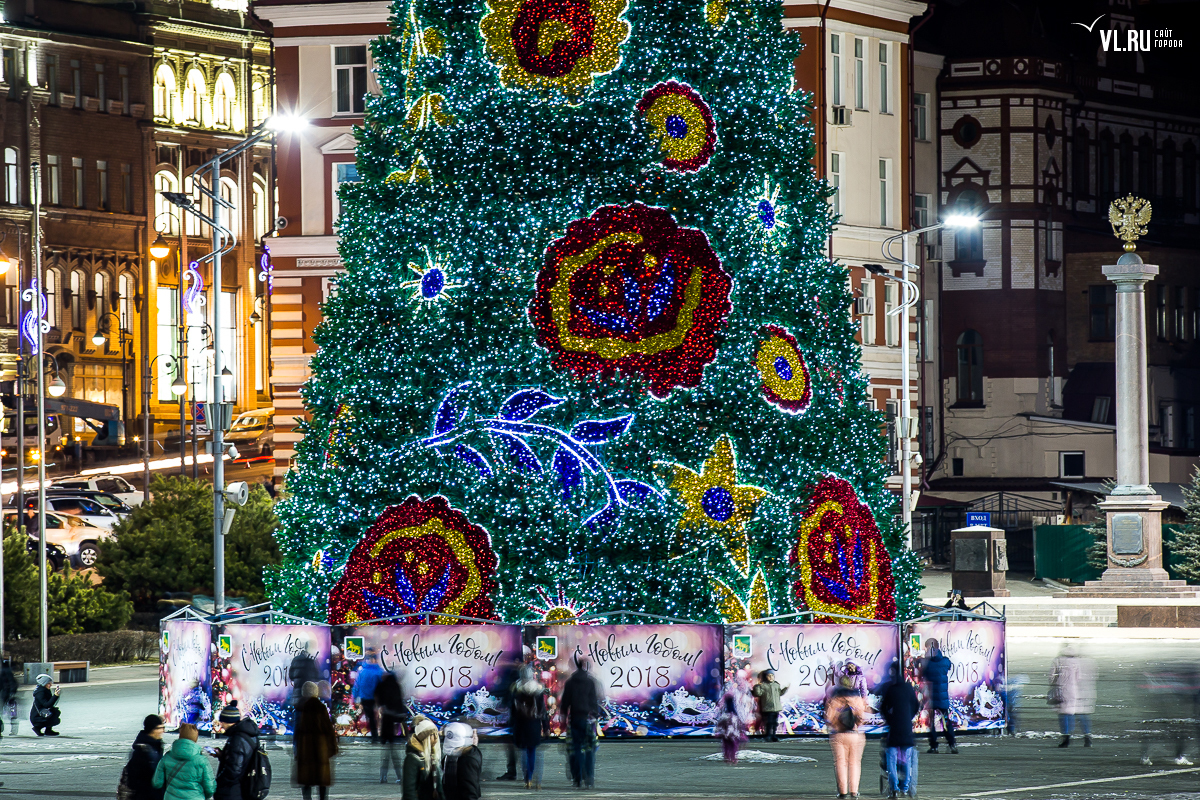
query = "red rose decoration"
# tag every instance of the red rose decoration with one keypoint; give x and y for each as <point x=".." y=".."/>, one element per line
<point x="628" y="289"/>
<point x="844" y="566"/>
<point x="419" y="556"/>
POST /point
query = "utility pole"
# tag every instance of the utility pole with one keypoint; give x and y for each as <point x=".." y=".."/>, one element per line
<point x="36" y="191"/>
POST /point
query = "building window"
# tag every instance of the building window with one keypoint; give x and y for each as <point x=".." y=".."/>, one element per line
<point x="101" y="287"/>
<point x="970" y="368"/>
<point x="1166" y="425"/>
<point x="1145" y="159"/>
<point x="835" y="48"/>
<point x="12" y="177"/>
<point x="1070" y="465"/>
<point x="342" y="173"/>
<point x="231" y="215"/>
<point x="259" y="94"/>
<point x="956" y="467"/>
<point x="10" y="71"/>
<point x="52" y="78"/>
<point x="262" y="209"/>
<point x="168" y="340"/>
<point x="192" y="224"/>
<point x="921" y="117"/>
<point x="867" y="321"/>
<point x="123" y="72"/>
<point x="885" y="197"/>
<point x="1100" y="407"/>
<point x="166" y="216"/>
<point x="884" y="95"/>
<point x="1080" y="164"/>
<point x="922" y="203"/>
<point x="102" y="177"/>
<point x="968" y="242"/>
<point x="224" y="101"/>
<point x="195" y="95"/>
<point x="127" y="188"/>
<point x="891" y="322"/>
<point x="1102" y="312"/>
<point x="891" y="412"/>
<point x="123" y="303"/>
<point x="54" y="180"/>
<point x="77" y="83"/>
<point x="1189" y="177"/>
<point x="1162" y="318"/>
<point x="1168" y="172"/>
<point x="860" y="75"/>
<point x="77" y="168"/>
<point x="350" y="78"/>
<point x="164" y="91"/>
<point x="1053" y="238"/>
<point x="927" y="449"/>
<point x="967" y="132"/>
<point x="52" y="297"/>
<point x="1126" y="164"/>
<point x="77" y="284"/>
<point x="1104" y="167"/>
<point x="1189" y="428"/>
<point x="835" y="182"/>
<point x="101" y="90"/>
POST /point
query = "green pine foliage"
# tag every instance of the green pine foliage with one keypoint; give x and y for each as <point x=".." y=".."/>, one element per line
<point x="1186" y="547"/>
<point x="20" y="587"/>
<point x="166" y="545"/>
<point x="506" y="179"/>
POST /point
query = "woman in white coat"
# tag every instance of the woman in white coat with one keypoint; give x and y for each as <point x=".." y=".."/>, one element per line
<point x="1073" y="691"/>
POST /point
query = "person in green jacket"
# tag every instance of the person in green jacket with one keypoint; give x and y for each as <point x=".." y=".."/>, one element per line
<point x="422" y="762"/>
<point x="769" y="694"/>
<point x="183" y="772"/>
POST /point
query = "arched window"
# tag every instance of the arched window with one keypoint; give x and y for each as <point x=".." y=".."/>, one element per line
<point x="100" y="286"/>
<point x="260" y="95"/>
<point x="1104" y="167"/>
<point x="12" y="177"/>
<point x="52" y="284"/>
<point x="123" y="303"/>
<point x="224" y="101"/>
<point x="231" y="217"/>
<point x="166" y="214"/>
<point x="192" y="224"/>
<point x="195" y="97"/>
<point x="165" y="87"/>
<point x="968" y="242"/>
<point x="1126" y="169"/>
<point x="262" y="208"/>
<point x="77" y="284"/>
<point x="1080" y="164"/>
<point x="970" y="367"/>
<point x="1146" y="166"/>
<point x="1168" y="167"/>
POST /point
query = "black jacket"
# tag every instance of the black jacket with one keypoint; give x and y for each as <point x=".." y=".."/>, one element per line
<point x="528" y="719"/>
<point x="43" y="712"/>
<point x="462" y="778"/>
<point x="235" y="759"/>
<point x="898" y="706"/>
<point x="8" y="684"/>
<point x="580" y="697"/>
<point x="147" y="752"/>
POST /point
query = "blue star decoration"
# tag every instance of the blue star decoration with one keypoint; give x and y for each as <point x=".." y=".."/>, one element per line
<point x="432" y="284"/>
<point x="765" y="219"/>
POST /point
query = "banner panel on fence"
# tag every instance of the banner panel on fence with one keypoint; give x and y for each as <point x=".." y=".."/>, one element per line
<point x="184" y="679"/>
<point x="447" y="672"/>
<point x="262" y="667"/>
<point x="976" y="652"/>
<point x="656" y="680"/>
<point x="807" y="660"/>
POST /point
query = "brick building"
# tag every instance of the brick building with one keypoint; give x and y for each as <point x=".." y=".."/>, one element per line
<point x="117" y="104"/>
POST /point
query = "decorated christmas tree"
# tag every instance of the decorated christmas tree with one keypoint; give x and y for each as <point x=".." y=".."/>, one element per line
<point x="588" y="352"/>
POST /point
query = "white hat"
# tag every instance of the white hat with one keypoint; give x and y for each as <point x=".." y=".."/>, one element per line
<point x="458" y="736"/>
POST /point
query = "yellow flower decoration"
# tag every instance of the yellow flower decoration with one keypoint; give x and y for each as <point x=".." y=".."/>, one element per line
<point x="734" y="610"/>
<point x="715" y="502"/>
<point x="554" y="44"/>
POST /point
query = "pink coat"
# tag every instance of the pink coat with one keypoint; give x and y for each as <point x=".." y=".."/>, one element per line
<point x="1075" y="678"/>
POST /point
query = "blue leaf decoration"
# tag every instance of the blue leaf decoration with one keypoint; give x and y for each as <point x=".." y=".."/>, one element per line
<point x="602" y="518"/>
<point x="451" y="411"/>
<point x="570" y="471"/>
<point x="436" y="592"/>
<point x="599" y="431"/>
<point x="404" y="588"/>
<point x="381" y="607"/>
<point x="608" y="321"/>
<point x="634" y="492"/>
<point x="525" y="403"/>
<point x="663" y="291"/>
<point x="474" y="458"/>
<point x="519" y="453"/>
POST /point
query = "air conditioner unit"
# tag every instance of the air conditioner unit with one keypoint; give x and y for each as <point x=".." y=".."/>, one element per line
<point x="864" y="306"/>
<point x="840" y="115"/>
<point x="933" y="252"/>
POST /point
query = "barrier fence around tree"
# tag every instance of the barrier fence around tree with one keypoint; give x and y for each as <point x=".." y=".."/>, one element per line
<point x="659" y="679"/>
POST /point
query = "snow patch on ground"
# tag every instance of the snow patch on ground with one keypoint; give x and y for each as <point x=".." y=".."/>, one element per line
<point x="758" y="757"/>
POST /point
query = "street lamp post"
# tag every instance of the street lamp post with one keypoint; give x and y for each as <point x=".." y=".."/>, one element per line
<point x="912" y="294"/>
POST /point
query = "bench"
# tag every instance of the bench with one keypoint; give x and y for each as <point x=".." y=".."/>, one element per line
<point x="72" y="671"/>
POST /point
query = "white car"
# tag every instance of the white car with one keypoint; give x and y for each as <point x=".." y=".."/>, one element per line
<point x="84" y="508"/>
<point x="113" y="484"/>
<point x="80" y="540"/>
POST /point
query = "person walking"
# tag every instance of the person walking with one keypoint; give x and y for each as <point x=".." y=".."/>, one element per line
<point x="314" y="744"/>
<point x="462" y="769"/>
<point x="143" y="760"/>
<point x="422" y="762"/>
<point x="844" y="712"/>
<point x="769" y="693"/>
<point x="510" y="674"/>
<point x="1073" y="685"/>
<point x="734" y="722"/>
<point x="365" y="683"/>
<point x="529" y="723"/>
<point x="936" y="674"/>
<point x="8" y="697"/>
<point x="393" y="713"/>
<point x="44" y="713"/>
<point x="234" y="758"/>
<point x="580" y="706"/>
<point x="182" y="773"/>
<point x="898" y="706"/>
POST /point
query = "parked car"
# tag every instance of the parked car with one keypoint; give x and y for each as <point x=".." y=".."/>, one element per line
<point x="113" y="484"/>
<point x="79" y="541"/>
<point x="89" y="511"/>
<point x="55" y="555"/>
<point x="109" y="501"/>
<point x="253" y="432"/>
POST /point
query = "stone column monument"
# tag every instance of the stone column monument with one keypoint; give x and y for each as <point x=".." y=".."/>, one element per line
<point x="1134" y="511"/>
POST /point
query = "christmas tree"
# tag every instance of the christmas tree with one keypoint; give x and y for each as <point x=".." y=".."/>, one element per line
<point x="588" y="346"/>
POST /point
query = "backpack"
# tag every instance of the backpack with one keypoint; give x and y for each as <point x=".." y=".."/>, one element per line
<point x="846" y="718"/>
<point x="256" y="782"/>
<point x="124" y="790"/>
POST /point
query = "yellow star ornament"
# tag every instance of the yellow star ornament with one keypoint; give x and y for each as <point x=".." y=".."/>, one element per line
<point x="714" y="502"/>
